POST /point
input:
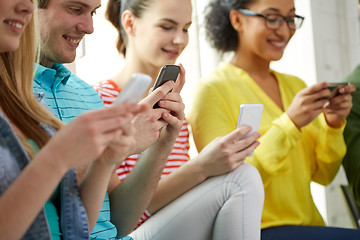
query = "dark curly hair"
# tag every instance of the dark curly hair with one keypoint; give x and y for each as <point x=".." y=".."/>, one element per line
<point x="219" y="31"/>
<point x="115" y="9"/>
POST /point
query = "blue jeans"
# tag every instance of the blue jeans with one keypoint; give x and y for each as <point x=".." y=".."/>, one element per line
<point x="309" y="233"/>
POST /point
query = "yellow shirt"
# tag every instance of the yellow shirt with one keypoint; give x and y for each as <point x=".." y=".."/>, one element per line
<point x="288" y="159"/>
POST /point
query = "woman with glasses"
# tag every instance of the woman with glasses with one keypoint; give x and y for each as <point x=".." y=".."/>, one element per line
<point x="301" y="126"/>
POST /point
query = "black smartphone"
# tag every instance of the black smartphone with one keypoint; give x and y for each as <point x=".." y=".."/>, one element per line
<point x="335" y="86"/>
<point x="167" y="73"/>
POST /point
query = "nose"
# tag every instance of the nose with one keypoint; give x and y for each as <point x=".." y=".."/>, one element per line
<point x="25" y="6"/>
<point x="181" y="38"/>
<point x="284" y="30"/>
<point x="86" y="25"/>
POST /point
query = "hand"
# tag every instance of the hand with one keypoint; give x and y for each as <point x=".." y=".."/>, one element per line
<point x="224" y="154"/>
<point x="338" y="108"/>
<point x="174" y="106"/>
<point x="308" y="104"/>
<point x="86" y="137"/>
<point x="124" y="143"/>
<point x="149" y="123"/>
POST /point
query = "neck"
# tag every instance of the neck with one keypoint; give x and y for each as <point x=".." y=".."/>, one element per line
<point x="252" y="65"/>
<point x="44" y="61"/>
<point x="132" y="66"/>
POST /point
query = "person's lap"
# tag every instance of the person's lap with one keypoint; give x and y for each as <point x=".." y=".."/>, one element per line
<point x="309" y="233"/>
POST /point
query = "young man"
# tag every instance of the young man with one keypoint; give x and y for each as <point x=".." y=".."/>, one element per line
<point x="63" y="24"/>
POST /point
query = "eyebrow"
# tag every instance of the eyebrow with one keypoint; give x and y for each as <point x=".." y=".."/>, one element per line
<point x="173" y="22"/>
<point x="85" y="5"/>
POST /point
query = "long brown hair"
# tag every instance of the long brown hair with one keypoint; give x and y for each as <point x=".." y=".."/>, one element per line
<point x="16" y="89"/>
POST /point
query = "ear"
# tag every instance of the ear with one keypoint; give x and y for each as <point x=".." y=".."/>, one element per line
<point x="128" y="22"/>
<point x="236" y="19"/>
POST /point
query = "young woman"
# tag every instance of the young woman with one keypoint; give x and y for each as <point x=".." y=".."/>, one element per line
<point x="301" y="126"/>
<point x="215" y="195"/>
<point x="39" y="195"/>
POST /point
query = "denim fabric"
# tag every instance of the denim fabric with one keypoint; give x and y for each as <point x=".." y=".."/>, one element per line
<point x="13" y="159"/>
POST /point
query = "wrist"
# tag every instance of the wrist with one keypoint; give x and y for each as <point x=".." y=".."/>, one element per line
<point x="198" y="168"/>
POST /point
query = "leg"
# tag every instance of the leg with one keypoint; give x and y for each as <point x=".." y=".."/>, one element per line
<point x="309" y="233"/>
<point x="224" y="207"/>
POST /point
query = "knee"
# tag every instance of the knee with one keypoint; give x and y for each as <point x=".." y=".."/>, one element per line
<point x="250" y="180"/>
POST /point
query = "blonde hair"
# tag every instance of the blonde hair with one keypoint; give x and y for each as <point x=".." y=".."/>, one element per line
<point x="16" y="89"/>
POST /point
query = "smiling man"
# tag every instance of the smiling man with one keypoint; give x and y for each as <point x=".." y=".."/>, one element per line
<point x="63" y="24"/>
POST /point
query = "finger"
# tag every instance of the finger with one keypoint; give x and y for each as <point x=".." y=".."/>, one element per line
<point x="237" y="134"/>
<point x="117" y="110"/>
<point x="347" y="89"/>
<point x="176" y="107"/>
<point x="340" y="100"/>
<point x="158" y="94"/>
<point x="172" y="120"/>
<point x="114" y="124"/>
<point x="246" y="142"/>
<point x="180" y="80"/>
<point x="316" y="88"/>
<point x="240" y="155"/>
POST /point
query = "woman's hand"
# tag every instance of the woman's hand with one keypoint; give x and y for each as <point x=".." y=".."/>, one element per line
<point x="174" y="106"/>
<point x="86" y="137"/>
<point x="148" y="124"/>
<point x="308" y="104"/>
<point x="224" y="154"/>
<point x="339" y="106"/>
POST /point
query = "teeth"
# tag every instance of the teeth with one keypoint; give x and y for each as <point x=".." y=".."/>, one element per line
<point x="15" y="24"/>
<point x="75" y="41"/>
<point x="278" y="44"/>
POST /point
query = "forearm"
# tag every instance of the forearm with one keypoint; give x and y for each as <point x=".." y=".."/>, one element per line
<point x="93" y="188"/>
<point x="130" y="198"/>
<point x="27" y="195"/>
<point x="176" y="184"/>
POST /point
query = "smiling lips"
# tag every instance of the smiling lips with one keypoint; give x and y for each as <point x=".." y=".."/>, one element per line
<point x="17" y="25"/>
<point x="171" y="53"/>
<point x="278" y="44"/>
<point x="73" y="40"/>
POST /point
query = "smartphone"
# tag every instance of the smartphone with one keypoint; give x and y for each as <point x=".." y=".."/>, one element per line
<point x="250" y="115"/>
<point x="334" y="88"/>
<point x="167" y="73"/>
<point x="134" y="89"/>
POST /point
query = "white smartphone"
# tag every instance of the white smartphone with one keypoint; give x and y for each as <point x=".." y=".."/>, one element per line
<point x="134" y="89"/>
<point x="250" y="115"/>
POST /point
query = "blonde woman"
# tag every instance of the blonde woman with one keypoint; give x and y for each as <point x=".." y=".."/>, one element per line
<point x="39" y="195"/>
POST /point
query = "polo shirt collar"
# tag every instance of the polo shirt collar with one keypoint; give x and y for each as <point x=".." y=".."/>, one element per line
<point x="51" y="77"/>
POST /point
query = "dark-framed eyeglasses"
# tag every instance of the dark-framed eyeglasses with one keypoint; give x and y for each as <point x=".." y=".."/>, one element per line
<point x="274" y="21"/>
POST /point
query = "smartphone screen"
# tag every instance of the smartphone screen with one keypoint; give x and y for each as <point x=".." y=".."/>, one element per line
<point x="167" y="73"/>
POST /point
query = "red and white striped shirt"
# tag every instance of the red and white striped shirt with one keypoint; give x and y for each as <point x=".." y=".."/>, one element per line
<point x="108" y="91"/>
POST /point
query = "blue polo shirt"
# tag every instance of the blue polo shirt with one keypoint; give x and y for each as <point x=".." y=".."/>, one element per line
<point x="68" y="96"/>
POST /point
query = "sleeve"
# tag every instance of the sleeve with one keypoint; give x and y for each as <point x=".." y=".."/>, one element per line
<point x="330" y="149"/>
<point x="270" y="158"/>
